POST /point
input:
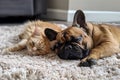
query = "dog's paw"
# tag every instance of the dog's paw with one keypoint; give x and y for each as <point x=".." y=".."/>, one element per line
<point x="87" y="63"/>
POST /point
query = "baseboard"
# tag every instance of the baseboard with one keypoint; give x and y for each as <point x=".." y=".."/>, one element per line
<point x="96" y="16"/>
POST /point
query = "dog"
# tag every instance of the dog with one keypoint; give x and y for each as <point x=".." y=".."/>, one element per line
<point x="85" y="41"/>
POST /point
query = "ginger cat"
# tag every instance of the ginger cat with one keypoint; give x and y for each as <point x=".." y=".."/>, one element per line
<point x="34" y="39"/>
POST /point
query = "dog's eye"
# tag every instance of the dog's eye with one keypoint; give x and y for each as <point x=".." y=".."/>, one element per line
<point x="74" y="39"/>
<point x="79" y="38"/>
<point x="57" y="45"/>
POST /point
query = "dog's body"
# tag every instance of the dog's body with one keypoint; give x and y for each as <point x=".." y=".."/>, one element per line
<point x="87" y="41"/>
<point x="105" y="40"/>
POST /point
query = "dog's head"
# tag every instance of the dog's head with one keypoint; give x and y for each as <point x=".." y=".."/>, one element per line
<point x="74" y="42"/>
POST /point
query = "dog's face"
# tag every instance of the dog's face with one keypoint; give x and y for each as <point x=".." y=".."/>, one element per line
<point x="73" y="42"/>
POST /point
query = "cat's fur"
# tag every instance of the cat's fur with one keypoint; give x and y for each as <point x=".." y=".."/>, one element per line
<point x="34" y="39"/>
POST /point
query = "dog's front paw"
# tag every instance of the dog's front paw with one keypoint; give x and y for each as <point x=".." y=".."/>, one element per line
<point x="87" y="63"/>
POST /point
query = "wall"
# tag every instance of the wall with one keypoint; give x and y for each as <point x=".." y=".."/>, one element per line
<point x="95" y="10"/>
<point x="58" y="4"/>
<point x="95" y="5"/>
<point x="57" y="9"/>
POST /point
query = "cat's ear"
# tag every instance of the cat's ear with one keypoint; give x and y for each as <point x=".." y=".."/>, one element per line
<point x="51" y="34"/>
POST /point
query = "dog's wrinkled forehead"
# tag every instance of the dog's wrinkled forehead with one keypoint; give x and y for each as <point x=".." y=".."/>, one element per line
<point x="68" y="33"/>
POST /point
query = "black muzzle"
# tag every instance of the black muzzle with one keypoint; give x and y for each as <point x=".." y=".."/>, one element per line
<point x="72" y="52"/>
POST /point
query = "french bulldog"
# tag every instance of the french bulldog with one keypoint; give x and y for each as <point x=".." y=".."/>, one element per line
<point x="85" y="40"/>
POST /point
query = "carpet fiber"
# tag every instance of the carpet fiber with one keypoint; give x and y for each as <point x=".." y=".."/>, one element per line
<point x="20" y="66"/>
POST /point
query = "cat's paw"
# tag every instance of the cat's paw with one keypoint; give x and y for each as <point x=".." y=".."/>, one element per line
<point x="5" y="51"/>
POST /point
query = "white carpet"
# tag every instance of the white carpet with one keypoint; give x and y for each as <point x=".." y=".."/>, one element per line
<point x="20" y="66"/>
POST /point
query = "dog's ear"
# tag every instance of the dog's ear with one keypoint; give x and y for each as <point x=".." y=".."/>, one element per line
<point x="51" y="34"/>
<point x="80" y="21"/>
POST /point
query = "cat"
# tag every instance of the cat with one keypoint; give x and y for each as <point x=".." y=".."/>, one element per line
<point x="34" y="39"/>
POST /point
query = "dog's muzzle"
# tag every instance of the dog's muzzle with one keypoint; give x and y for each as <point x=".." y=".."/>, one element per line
<point x="72" y="52"/>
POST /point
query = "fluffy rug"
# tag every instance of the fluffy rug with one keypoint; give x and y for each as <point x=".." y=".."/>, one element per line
<point x="20" y="66"/>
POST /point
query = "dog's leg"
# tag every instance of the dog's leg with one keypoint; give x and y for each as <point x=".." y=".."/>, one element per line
<point x="16" y="47"/>
<point x="105" y="49"/>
